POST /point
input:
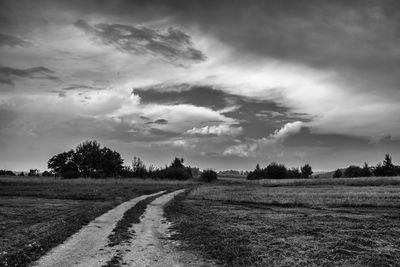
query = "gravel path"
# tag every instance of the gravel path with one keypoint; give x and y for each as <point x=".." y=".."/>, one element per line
<point x="149" y="246"/>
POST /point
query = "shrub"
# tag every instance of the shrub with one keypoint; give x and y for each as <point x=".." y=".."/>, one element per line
<point x="209" y="176"/>
<point x="177" y="173"/>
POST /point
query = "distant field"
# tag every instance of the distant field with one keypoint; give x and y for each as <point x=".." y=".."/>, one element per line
<point x="332" y="223"/>
<point x="358" y="181"/>
<point x="38" y="213"/>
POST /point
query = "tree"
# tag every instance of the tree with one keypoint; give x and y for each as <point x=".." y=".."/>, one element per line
<point x="257" y="174"/>
<point x="177" y="170"/>
<point x="276" y="171"/>
<point x="387" y="162"/>
<point x="386" y="168"/>
<point x="63" y="163"/>
<point x="209" y="176"/>
<point x="138" y="167"/>
<point x="47" y="174"/>
<point x="110" y="163"/>
<point x="306" y="171"/>
<point x="337" y="173"/>
<point x="33" y="172"/>
<point x="293" y="173"/>
<point x="177" y="163"/>
<point x="366" y="170"/>
<point x="352" y="171"/>
<point x="87" y="156"/>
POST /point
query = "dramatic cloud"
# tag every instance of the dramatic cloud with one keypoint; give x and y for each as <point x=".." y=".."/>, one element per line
<point x="8" y="75"/>
<point x="171" y="45"/>
<point x="251" y="147"/>
<point x="12" y="41"/>
<point x="312" y="81"/>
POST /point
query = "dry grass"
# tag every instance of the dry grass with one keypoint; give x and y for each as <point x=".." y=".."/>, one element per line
<point x="247" y="225"/>
<point x="374" y="196"/>
<point x="358" y="181"/>
<point x="128" y="181"/>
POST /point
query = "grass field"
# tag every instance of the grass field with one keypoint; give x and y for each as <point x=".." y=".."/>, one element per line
<point x="38" y="213"/>
<point x="332" y="223"/>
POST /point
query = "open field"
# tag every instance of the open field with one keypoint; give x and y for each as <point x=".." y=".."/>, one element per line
<point x="303" y="225"/>
<point x="357" y="181"/>
<point x="38" y="213"/>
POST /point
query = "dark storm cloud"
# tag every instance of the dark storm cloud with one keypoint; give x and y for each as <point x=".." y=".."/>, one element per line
<point x="72" y="87"/>
<point x="305" y="138"/>
<point x="173" y="45"/>
<point x="159" y="121"/>
<point x="12" y="41"/>
<point x="319" y="32"/>
<point x="9" y="75"/>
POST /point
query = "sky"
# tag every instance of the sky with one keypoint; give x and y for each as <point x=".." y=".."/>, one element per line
<point x="224" y="84"/>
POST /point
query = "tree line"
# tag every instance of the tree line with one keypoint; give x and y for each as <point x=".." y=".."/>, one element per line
<point x="384" y="168"/>
<point x="279" y="171"/>
<point x="89" y="159"/>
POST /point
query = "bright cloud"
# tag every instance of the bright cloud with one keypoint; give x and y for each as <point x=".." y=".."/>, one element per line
<point x="219" y="130"/>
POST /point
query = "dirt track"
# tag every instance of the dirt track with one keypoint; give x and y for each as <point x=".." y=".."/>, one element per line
<point x="148" y="247"/>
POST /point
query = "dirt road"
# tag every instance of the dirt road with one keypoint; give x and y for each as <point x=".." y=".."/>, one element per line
<point x="149" y="246"/>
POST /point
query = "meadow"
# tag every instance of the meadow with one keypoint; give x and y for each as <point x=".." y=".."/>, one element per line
<point x="310" y="222"/>
<point x="37" y="213"/>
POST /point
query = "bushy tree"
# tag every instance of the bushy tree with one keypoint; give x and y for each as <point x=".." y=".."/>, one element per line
<point x="386" y="168"/>
<point x="209" y="176"/>
<point x="306" y="171"/>
<point x="177" y="170"/>
<point x="338" y="173"/>
<point x="293" y="173"/>
<point x="88" y="160"/>
<point x="33" y="172"/>
<point x="257" y="174"/>
<point x="7" y="172"/>
<point x="276" y="171"/>
<point x="353" y="171"/>
<point x="87" y="157"/>
<point x="63" y="163"/>
<point x="110" y="163"/>
<point x="366" y="170"/>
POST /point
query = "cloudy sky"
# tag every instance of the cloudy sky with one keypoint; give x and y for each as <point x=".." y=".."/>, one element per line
<point x="225" y="84"/>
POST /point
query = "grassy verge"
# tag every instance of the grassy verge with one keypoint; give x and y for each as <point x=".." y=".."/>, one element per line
<point x="121" y="231"/>
<point x="36" y="215"/>
<point x="253" y="234"/>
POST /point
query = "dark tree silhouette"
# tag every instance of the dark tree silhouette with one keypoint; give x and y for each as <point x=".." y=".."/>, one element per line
<point x="306" y="171"/>
<point x="209" y="176"/>
<point x="88" y="160"/>
<point x="63" y="163"/>
<point x="338" y="173"/>
<point x="88" y="156"/>
<point x="276" y="171"/>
